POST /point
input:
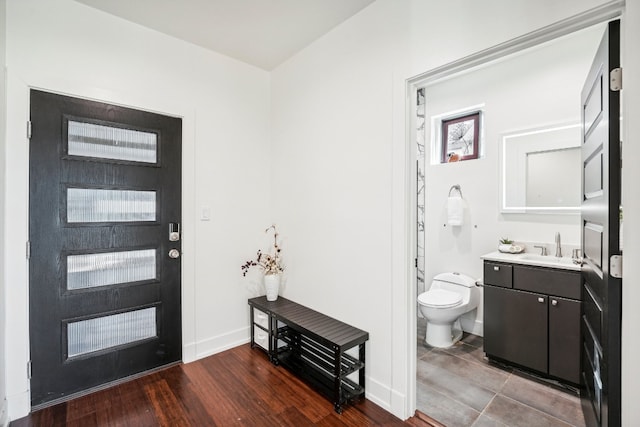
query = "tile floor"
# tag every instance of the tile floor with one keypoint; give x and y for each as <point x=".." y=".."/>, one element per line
<point x="459" y="388"/>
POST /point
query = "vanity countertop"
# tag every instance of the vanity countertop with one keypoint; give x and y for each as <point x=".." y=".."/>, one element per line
<point x="527" y="258"/>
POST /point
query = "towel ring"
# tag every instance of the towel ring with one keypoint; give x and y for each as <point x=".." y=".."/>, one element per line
<point x="457" y="188"/>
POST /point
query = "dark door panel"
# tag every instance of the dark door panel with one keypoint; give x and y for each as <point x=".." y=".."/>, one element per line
<point x="602" y="292"/>
<point x="105" y="183"/>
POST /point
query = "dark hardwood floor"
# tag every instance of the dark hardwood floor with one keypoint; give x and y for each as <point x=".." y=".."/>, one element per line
<point x="238" y="387"/>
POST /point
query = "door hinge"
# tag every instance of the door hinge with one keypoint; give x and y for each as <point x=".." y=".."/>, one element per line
<point x="416" y="262"/>
<point x="615" y="266"/>
<point x="29" y="369"/>
<point x="29" y="131"/>
<point x="28" y="249"/>
<point x="615" y="79"/>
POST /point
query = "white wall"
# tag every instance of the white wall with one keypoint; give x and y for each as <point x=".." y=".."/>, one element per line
<point x="332" y="111"/>
<point x="3" y="37"/>
<point x="340" y="157"/>
<point x="516" y="93"/>
<point x="442" y="32"/>
<point x="66" y="47"/>
<point x="337" y="184"/>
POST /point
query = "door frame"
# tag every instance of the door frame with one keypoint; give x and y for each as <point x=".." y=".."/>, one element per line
<point x="408" y="317"/>
<point x="17" y="185"/>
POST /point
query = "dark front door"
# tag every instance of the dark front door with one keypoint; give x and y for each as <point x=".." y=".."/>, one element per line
<point x="602" y="290"/>
<point x="104" y="195"/>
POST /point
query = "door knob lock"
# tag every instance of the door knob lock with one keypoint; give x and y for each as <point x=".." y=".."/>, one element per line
<point x="174" y="232"/>
<point x="174" y="253"/>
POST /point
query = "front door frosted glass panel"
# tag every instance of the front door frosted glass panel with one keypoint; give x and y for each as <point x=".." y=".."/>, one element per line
<point x="87" y="205"/>
<point x="112" y="268"/>
<point x="101" y="333"/>
<point x="107" y="142"/>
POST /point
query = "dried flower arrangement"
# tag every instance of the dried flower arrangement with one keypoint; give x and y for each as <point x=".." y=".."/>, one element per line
<point x="270" y="263"/>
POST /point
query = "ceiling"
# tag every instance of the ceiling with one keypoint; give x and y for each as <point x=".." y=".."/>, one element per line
<point x="263" y="33"/>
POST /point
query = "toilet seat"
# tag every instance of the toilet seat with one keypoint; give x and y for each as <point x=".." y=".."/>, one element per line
<point x="440" y="298"/>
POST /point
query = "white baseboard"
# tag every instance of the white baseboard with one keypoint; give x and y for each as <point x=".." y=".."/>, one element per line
<point x="388" y="399"/>
<point x="478" y="328"/>
<point x="218" y="343"/>
<point x="399" y="405"/>
<point x="4" y="416"/>
<point x="189" y="353"/>
<point x="378" y="393"/>
<point x="473" y="326"/>
<point x="18" y="405"/>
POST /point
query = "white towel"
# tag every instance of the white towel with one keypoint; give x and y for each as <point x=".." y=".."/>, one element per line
<point x="455" y="210"/>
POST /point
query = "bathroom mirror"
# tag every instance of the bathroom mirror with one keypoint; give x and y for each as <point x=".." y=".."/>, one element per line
<point x="540" y="170"/>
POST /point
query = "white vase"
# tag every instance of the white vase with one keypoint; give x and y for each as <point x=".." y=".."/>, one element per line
<point x="272" y="285"/>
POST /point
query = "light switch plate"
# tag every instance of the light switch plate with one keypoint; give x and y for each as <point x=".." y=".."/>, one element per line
<point x="205" y="215"/>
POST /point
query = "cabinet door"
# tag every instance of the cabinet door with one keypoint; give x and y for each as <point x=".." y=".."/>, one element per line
<point x="564" y="339"/>
<point x="515" y="326"/>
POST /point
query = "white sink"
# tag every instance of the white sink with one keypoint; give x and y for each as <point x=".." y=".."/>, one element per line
<point x="534" y="259"/>
<point x="548" y="259"/>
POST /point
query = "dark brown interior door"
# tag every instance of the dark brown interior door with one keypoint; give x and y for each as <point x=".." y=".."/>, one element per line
<point x="104" y="194"/>
<point x="602" y="290"/>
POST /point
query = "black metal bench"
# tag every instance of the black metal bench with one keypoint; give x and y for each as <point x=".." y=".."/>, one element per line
<point x="311" y="345"/>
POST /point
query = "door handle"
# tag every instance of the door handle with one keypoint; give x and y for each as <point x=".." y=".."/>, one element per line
<point x="540" y="299"/>
<point x="554" y="302"/>
<point x="174" y="253"/>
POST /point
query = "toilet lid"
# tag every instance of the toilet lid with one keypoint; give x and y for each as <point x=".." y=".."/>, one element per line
<point x="440" y="298"/>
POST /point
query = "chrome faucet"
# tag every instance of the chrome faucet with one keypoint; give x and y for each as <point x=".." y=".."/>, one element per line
<point x="558" y="248"/>
<point x="543" y="249"/>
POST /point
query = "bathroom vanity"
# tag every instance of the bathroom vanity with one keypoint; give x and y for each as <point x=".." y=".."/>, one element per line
<point x="532" y="315"/>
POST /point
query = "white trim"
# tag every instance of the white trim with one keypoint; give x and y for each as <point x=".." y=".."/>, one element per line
<point x="4" y="419"/>
<point x="222" y="342"/>
<point x="18" y="97"/>
<point x="553" y="31"/>
<point x="18" y="405"/>
<point x="378" y="393"/>
<point x="602" y="13"/>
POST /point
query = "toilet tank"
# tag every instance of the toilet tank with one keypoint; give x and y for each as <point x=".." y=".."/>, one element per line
<point x="447" y="280"/>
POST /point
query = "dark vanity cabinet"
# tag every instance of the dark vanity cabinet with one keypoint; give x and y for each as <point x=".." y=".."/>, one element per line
<point x="532" y="318"/>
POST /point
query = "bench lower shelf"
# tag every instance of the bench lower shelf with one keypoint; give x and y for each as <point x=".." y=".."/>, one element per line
<point x="348" y="392"/>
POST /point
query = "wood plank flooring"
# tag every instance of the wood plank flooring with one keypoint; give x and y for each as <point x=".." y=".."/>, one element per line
<point x="238" y="387"/>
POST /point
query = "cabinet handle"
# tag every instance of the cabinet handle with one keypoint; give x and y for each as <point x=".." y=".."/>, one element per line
<point x="554" y="302"/>
<point x="496" y="268"/>
<point x="540" y="299"/>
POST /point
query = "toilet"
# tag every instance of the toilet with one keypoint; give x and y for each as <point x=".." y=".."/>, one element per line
<point x="451" y="295"/>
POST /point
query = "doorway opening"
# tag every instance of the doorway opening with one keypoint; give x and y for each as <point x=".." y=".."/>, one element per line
<point x="482" y="236"/>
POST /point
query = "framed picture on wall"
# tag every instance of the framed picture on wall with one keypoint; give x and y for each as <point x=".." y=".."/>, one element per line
<point x="460" y="138"/>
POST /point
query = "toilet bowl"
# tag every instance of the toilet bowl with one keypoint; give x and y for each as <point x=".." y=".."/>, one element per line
<point x="451" y="295"/>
